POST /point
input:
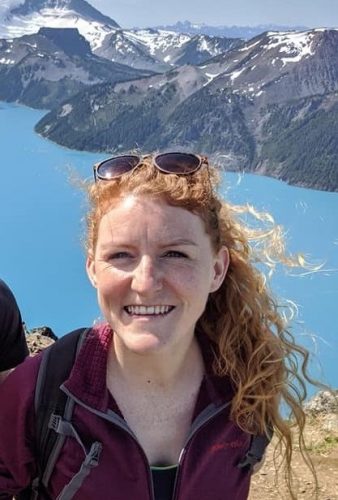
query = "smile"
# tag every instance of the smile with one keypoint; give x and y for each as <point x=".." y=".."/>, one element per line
<point x="148" y="310"/>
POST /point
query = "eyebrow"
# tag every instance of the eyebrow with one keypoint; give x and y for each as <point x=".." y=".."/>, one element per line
<point x="175" y="243"/>
<point x="181" y="241"/>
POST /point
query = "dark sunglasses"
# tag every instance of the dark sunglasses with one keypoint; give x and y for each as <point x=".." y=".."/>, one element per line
<point x="167" y="163"/>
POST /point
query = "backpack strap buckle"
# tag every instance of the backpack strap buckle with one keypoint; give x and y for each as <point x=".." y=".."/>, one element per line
<point x="256" y="451"/>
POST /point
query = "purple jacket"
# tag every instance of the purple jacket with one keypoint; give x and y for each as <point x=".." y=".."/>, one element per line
<point x="101" y="457"/>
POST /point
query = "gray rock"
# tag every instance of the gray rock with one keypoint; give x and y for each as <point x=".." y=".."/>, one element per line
<point x="330" y="423"/>
<point x="44" y="331"/>
<point x="324" y="402"/>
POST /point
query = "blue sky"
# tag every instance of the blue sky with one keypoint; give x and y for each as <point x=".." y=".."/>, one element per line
<point x="312" y="13"/>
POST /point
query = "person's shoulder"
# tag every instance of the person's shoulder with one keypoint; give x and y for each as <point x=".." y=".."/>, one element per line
<point x="17" y="394"/>
<point x="3" y="286"/>
<point x="6" y="293"/>
<point x="22" y="379"/>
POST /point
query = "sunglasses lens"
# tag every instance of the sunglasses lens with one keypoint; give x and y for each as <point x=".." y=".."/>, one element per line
<point x="117" y="166"/>
<point x="178" y="163"/>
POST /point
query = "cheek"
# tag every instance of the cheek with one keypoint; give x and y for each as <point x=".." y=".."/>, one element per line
<point x="110" y="282"/>
<point x="191" y="284"/>
<point x="111" y="291"/>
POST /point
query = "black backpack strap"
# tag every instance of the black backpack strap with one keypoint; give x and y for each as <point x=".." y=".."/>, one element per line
<point x="256" y="451"/>
<point x="57" y="362"/>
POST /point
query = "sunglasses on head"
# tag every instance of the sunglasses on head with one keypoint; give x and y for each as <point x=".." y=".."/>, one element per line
<point x="167" y="163"/>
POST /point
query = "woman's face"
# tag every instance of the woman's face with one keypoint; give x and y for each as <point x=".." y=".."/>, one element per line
<point x="153" y="268"/>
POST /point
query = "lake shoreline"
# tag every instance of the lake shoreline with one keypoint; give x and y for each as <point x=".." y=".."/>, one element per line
<point x="261" y="171"/>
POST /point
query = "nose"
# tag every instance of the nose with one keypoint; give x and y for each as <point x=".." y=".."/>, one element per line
<point x="147" y="276"/>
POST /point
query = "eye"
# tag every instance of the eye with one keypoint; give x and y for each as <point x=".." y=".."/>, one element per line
<point x="175" y="254"/>
<point x="119" y="255"/>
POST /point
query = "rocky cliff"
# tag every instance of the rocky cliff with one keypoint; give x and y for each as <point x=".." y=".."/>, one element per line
<point x="269" y="107"/>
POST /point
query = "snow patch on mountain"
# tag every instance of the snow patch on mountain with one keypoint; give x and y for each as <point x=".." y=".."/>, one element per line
<point x="158" y="40"/>
<point x="93" y="31"/>
<point x="289" y="47"/>
<point x="296" y="46"/>
<point x="65" y="110"/>
<point x="7" y="5"/>
<point x="210" y="77"/>
<point x="235" y="74"/>
<point x="7" y="61"/>
<point x="248" y="47"/>
<point x="204" y="45"/>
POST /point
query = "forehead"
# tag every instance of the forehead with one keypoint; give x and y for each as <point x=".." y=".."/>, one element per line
<point x="134" y="215"/>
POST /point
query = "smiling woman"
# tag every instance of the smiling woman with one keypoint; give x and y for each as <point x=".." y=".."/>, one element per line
<point x="180" y="387"/>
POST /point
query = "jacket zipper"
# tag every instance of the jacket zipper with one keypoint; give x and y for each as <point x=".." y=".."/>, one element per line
<point x="195" y="429"/>
<point x="204" y="418"/>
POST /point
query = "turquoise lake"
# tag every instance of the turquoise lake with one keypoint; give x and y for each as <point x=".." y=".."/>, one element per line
<point x="42" y="256"/>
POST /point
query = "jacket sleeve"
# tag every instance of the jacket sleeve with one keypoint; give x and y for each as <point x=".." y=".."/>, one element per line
<point x="17" y="428"/>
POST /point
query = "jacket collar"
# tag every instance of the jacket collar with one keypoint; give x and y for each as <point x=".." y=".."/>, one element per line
<point x="87" y="380"/>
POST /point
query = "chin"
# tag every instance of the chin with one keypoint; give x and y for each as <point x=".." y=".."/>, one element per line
<point x="143" y="343"/>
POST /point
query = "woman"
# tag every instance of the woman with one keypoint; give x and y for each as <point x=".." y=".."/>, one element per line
<point x="193" y="358"/>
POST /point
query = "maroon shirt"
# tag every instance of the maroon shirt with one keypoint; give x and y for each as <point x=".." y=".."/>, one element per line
<point x="208" y="462"/>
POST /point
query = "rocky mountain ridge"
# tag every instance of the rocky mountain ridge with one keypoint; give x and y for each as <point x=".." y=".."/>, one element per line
<point x="149" y="49"/>
<point x="44" y="69"/>
<point x="161" y="50"/>
<point x="268" y="107"/>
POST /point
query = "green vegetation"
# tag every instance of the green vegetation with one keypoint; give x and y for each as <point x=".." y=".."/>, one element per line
<point x="328" y="443"/>
<point x="210" y="123"/>
<point x="304" y="148"/>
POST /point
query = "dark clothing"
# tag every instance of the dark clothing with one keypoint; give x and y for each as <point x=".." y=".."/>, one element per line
<point x="164" y="482"/>
<point x="13" y="347"/>
<point x="101" y="457"/>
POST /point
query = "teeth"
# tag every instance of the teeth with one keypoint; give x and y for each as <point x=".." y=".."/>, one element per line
<point x="148" y="310"/>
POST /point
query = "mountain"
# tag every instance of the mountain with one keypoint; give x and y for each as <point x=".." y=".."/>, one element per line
<point x="160" y="50"/>
<point x="42" y="70"/>
<point x="32" y="74"/>
<point x="244" y="32"/>
<point x="200" y="48"/>
<point x="155" y="50"/>
<point x="269" y="106"/>
<point x="31" y="15"/>
<point x="80" y="7"/>
<point x="128" y="114"/>
<point x="277" y="67"/>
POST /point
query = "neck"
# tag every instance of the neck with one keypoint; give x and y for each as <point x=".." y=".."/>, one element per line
<point x="160" y="369"/>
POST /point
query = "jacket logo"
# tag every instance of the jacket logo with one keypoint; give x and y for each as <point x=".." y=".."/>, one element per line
<point x="237" y="443"/>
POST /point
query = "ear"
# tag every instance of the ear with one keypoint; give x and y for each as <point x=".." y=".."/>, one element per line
<point x="90" y="267"/>
<point x="221" y="265"/>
